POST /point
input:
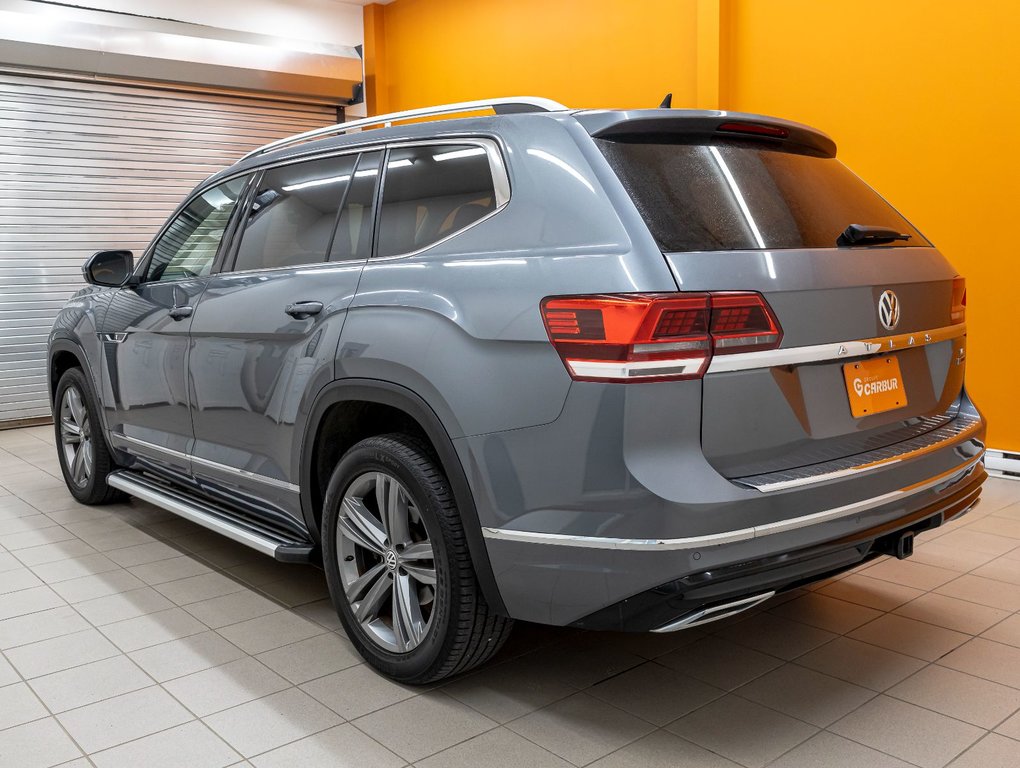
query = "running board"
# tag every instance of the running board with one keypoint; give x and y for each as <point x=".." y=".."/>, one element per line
<point x="715" y="612"/>
<point x="208" y="516"/>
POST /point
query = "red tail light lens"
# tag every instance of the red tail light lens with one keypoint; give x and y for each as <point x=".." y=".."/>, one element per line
<point x="958" y="310"/>
<point x="655" y="336"/>
<point x="754" y="129"/>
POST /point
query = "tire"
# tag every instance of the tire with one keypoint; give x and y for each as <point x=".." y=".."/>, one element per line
<point x="459" y="631"/>
<point x="89" y="486"/>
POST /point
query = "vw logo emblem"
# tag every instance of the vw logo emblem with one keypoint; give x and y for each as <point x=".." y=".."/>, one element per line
<point x="889" y="310"/>
<point x="391" y="559"/>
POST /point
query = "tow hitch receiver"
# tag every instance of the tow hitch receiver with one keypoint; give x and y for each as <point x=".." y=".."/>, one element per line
<point x="905" y="545"/>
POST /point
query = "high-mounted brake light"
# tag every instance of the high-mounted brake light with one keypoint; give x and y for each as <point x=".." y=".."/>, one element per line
<point x="755" y="129"/>
<point x="655" y="336"/>
<point x="958" y="309"/>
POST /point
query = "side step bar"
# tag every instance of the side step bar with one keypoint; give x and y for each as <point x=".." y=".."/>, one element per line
<point x="715" y="612"/>
<point x="211" y="517"/>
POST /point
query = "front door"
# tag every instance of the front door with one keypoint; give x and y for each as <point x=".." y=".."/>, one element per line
<point x="144" y="334"/>
<point x="265" y="332"/>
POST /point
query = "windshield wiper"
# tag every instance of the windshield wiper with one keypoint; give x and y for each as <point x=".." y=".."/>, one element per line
<point x="865" y="234"/>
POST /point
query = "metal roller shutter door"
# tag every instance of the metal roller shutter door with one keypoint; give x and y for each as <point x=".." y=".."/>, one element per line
<point x="87" y="165"/>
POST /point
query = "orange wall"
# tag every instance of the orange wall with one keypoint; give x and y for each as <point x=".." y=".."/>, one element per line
<point x="922" y="102"/>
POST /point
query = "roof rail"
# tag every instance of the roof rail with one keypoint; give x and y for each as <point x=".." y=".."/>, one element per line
<point x="505" y="106"/>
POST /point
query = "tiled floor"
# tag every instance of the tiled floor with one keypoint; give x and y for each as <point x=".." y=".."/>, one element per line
<point x="130" y="637"/>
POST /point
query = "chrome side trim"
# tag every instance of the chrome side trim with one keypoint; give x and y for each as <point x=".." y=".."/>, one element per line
<point x="597" y="369"/>
<point x="146" y="493"/>
<point x="816" y="353"/>
<point x="113" y="338"/>
<point x="715" y="612"/>
<point x="727" y="537"/>
<point x="116" y="438"/>
<point x="959" y="429"/>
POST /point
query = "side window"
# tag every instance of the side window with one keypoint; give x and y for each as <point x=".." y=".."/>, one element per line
<point x="430" y="192"/>
<point x="353" y="239"/>
<point x="293" y="213"/>
<point x="188" y="246"/>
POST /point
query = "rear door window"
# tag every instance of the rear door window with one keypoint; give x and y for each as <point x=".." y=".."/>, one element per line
<point x="293" y="214"/>
<point x="432" y="192"/>
<point x="740" y="195"/>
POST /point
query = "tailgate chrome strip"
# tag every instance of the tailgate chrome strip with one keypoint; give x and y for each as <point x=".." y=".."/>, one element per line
<point x="742" y="534"/>
<point x="840" y="350"/>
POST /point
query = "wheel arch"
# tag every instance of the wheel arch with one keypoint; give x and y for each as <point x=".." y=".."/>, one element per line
<point x="400" y="399"/>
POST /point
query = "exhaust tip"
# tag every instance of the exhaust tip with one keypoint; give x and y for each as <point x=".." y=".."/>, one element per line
<point x="715" y="612"/>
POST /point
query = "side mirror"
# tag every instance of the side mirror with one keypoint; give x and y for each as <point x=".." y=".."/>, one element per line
<point x="109" y="269"/>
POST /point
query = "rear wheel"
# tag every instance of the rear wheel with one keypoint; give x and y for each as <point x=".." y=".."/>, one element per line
<point x="85" y="460"/>
<point x="398" y="566"/>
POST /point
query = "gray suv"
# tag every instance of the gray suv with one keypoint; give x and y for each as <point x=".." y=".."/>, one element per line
<point x="618" y="370"/>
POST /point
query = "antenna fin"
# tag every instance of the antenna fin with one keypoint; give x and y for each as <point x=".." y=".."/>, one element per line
<point x="667" y="102"/>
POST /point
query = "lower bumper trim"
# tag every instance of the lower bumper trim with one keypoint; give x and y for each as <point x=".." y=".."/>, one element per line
<point x="716" y="612"/>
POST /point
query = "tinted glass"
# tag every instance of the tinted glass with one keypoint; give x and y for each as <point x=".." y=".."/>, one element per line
<point x="430" y="193"/>
<point x="697" y="197"/>
<point x="188" y="246"/>
<point x="353" y="239"/>
<point x="293" y="213"/>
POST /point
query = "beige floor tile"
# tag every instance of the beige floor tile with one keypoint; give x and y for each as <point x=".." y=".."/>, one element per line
<point x="582" y="660"/>
<point x="719" y="662"/>
<point x="124" y="718"/>
<point x="655" y="693"/>
<point x="61" y="508"/>
<point x="50" y="553"/>
<point x="24" y="523"/>
<point x="186" y="656"/>
<point x="322" y="613"/>
<point x="303" y="588"/>
<point x="19" y="704"/>
<point x="39" y="744"/>
<point x="872" y="593"/>
<point x="89" y="683"/>
<point x="357" y="691"/>
<point x="663" y="749"/>
<point x="192" y="745"/>
<point x="59" y="653"/>
<point x="75" y="567"/>
<point x="201" y="587"/>
<point x="9" y="562"/>
<point x="271" y="631"/>
<point x="648" y="645"/>
<point x="42" y="625"/>
<point x="952" y="558"/>
<point x="742" y="731"/>
<point x="1010" y="727"/>
<point x="952" y="613"/>
<point x="498" y="748"/>
<point x="152" y="629"/>
<point x="908" y="732"/>
<point x="13" y="506"/>
<point x="910" y="573"/>
<point x="37" y="538"/>
<point x="825" y="612"/>
<point x="993" y="661"/>
<point x="16" y="579"/>
<point x="913" y="638"/>
<point x="776" y="636"/>
<point x="805" y="694"/>
<point x="213" y="690"/>
<point x="26" y="601"/>
<point x="965" y="697"/>
<point x="234" y="608"/>
<point x="977" y="589"/>
<point x="272" y="721"/>
<point x="827" y="750"/>
<point x="172" y="569"/>
<point x="344" y="746"/>
<point x="993" y="751"/>
<point x="8" y="674"/>
<point x="118" y="538"/>
<point x="581" y="728"/>
<point x="991" y="544"/>
<point x="1007" y="631"/>
<point x="127" y="605"/>
<point x="861" y="663"/>
<point x="141" y="554"/>
<point x="101" y="585"/>
<point x="315" y="657"/>
<point x="998" y="526"/>
<point x="1002" y="569"/>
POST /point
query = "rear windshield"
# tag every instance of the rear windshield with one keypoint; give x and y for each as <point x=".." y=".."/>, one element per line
<point x="698" y="197"/>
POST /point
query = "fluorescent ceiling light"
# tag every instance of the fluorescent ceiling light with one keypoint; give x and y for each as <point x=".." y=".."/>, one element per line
<point x="457" y="154"/>
<point x="398" y="164"/>
<point x="316" y="183"/>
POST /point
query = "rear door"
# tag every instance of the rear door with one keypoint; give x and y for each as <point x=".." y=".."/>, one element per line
<point x="883" y="318"/>
<point x="265" y="332"/>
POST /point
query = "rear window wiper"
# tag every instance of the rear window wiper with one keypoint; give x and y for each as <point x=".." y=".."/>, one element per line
<point x="865" y="234"/>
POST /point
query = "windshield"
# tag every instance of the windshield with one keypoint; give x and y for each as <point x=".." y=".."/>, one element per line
<point x="739" y="196"/>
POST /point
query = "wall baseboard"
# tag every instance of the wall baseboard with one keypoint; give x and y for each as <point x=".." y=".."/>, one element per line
<point x="1003" y="464"/>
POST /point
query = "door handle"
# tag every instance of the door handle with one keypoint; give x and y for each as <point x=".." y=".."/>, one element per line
<point x="179" y="313"/>
<point x="300" y="310"/>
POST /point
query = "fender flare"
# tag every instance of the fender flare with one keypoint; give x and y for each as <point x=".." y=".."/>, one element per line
<point x="396" y="396"/>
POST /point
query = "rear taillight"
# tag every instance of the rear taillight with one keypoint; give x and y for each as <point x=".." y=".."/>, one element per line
<point x="754" y="129"/>
<point x="655" y="336"/>
<point x="958" y="310"/>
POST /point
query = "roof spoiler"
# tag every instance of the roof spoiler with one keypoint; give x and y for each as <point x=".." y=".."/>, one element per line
<point x="649" y="124"/>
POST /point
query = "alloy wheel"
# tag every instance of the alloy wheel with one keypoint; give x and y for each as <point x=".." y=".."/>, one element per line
<point x="387" y="565"/>
<point x="76" y="437"/>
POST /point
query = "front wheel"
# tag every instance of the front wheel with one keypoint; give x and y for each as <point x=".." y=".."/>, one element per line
<point x="398" y="566"/>
<point x="85" y="460"/>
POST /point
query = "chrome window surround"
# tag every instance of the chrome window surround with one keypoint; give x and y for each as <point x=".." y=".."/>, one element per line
<point x="283" y="484"/>
<point x="730" y="537"/>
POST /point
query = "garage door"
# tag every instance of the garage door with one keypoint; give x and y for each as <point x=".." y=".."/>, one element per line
<point x="86" y="166"/>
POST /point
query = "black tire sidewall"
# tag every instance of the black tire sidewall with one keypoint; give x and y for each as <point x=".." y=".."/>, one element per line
<point x="95" y="489"/>
<point x="377" y="454"/>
